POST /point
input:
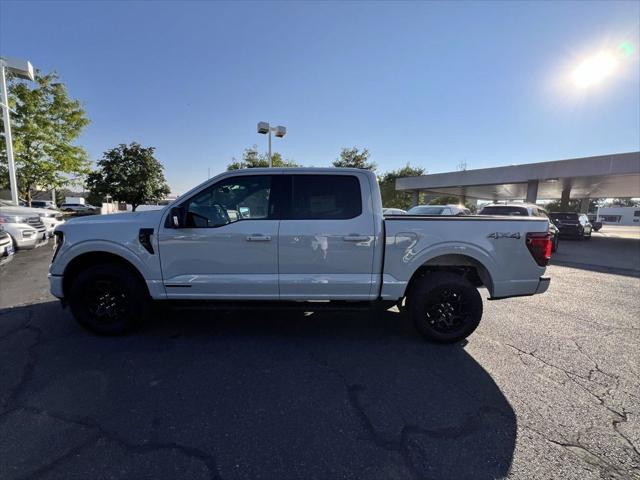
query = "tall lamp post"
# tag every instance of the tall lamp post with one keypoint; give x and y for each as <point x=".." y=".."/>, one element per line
<point x="21" y="69"/>
<point x="264" y="128"/>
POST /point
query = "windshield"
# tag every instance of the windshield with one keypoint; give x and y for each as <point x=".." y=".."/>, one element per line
<point x="426" y="211"/>
<point x="504" y="210"/>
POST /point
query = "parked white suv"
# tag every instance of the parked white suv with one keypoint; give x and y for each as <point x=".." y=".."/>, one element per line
<point x="457" y="210"/>
<point x="26" y="230"/>
<point x="50" y="218"/>
<point x="79" y="208"/>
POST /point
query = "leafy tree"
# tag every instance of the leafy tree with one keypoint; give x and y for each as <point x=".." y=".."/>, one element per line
<point x="45" y="125"/>
<point x="625" y="202"/>
<point x="129" y="173"/>
<point x="354" y="158"/>
<point x="573" y="205"/>
<point x="392" y="198"/>
<point x="252" y="159"/>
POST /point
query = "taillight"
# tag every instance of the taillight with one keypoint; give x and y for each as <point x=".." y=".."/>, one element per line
<point x="539" y="244"/>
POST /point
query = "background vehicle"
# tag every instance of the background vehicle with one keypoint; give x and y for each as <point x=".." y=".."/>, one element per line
<point x="526" y="210"/>
<point x="572" y="224"/>
<point x="595" y="224"/>
<point x="43" y="204"/>
<point x="393" y="211"/>
<point x="78" y="208"/>
<point x="6" y="248"/>
<point x="297" y="236"/>
<point x="50" y="218"/>
<point x="26" y="231"/>
<point x="439" y="210"/>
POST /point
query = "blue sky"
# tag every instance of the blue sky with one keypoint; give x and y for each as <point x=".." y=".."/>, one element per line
<point x="428" y="83"/>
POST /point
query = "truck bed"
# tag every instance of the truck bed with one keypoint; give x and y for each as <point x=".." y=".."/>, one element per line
<point x="495" y="245"/>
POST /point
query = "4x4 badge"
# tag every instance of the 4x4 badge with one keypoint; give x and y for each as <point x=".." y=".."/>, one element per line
<point x="498" y="235"/>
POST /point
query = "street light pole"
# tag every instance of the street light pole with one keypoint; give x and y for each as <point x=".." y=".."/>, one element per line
<point x="21" y="69"/>
<point x="270" y="162"/>
<point x="13" y="183"/>
<point x="280" y="131"/>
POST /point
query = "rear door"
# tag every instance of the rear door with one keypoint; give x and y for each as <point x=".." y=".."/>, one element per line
<point x="326" y="241"/>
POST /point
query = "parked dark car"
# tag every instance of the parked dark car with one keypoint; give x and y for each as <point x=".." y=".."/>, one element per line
<point x="524" y="210"/>
<point x="571" y="224"/>
<point x="594" y="222"/>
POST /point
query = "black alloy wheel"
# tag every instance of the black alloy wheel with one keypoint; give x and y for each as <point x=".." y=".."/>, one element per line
<point x="445" y="307"/>
<point x="108" y="299"/>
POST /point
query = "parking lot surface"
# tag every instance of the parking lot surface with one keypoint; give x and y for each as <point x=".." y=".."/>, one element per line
<point x="547" y="387"/>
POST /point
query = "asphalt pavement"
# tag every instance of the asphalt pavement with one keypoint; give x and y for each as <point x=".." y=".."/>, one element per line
<point x="547" y="387"/>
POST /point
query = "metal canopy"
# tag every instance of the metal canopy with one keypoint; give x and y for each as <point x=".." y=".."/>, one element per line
<point x="616" y="175"/>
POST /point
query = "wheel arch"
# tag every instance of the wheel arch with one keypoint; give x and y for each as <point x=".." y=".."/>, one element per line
<point x="85" y="260"/>
<point x="463" y="265"/>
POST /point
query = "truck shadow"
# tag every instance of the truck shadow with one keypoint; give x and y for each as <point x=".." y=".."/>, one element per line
<point x="274" y="394"/>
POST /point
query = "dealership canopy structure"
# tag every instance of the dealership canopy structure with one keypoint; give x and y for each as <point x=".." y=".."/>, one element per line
<point x="616" y="175"/>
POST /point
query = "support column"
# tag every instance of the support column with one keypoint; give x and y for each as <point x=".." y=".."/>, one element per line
<point x="584" y="205"/>
<point x="564" y="200"/>
<point x="532" y="191"/>
<point x="414" y="197"/>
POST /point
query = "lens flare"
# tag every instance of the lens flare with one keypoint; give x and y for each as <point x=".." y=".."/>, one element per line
<point x="594" y="70"/>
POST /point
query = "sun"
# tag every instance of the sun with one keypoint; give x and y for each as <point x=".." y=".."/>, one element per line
<point x="594" y="70"/>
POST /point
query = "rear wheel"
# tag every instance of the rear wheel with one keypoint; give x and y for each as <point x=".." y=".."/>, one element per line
<point x="108" y="299"/>
<point x="445" y="307"/>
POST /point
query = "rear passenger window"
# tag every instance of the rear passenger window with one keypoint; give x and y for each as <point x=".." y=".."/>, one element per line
<point x="325" y="197"/>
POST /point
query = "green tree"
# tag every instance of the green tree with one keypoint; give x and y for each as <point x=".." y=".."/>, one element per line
<point x="625" y="202"/>
<point x="129" y="173"/>
<point x="573" y="205"/>
<point x="45" y="125"/>
<point x="252" y="159"/>
<point x="354" y="158"/>
<point x="392" y="198"/>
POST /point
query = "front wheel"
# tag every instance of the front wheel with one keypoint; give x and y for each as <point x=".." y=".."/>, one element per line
<point x="445" y="307"/>
<point x="108" y="299"/>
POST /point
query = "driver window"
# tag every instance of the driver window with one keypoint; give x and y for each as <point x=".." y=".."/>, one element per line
<point x="230" y="200"/>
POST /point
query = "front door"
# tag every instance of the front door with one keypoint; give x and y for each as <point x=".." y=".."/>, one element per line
<point x="227" y="247"/>
<point x="326" y="239"/>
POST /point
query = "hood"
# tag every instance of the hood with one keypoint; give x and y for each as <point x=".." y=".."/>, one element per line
<point x="145" y="217"/>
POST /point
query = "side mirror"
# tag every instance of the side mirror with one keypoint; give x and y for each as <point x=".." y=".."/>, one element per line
<point x="175" y="218"/>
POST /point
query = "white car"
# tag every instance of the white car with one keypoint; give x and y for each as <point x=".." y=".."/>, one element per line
<point x="79" y="208"/>
<point x="458" y="210"/>
<point x="393" y="211"/>
<point x="50" y="218"/>
<point x="6" y="248"/>
<point x="26" y="230"/>
<point x="295" y="236"/>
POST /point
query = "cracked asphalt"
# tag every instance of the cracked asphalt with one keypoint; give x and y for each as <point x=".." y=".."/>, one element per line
<point x="547" y="387"/>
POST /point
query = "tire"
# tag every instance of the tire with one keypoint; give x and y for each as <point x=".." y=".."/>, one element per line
<point x="448" y="292"/>
<point x="108" y="299"/>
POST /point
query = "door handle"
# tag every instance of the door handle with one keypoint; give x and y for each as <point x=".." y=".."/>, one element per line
<point x="355" y="238"/>
<point x="258" y="238"/>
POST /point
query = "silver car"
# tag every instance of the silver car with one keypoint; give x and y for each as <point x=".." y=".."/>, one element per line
<point x="26" y="230"/>
<point x="6" y="248"/>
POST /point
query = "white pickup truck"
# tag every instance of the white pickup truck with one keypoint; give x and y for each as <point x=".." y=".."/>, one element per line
<point x="309" y="238"/>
